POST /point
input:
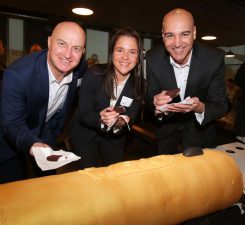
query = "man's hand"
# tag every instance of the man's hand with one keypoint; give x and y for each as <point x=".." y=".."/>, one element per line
<point x="197" y="106"/>
<point x="160" y="100"/>
<point x="38" y="144"/>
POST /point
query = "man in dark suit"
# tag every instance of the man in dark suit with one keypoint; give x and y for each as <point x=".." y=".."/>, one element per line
<point x="198" y="71"/>
<point x="37" y="92"/>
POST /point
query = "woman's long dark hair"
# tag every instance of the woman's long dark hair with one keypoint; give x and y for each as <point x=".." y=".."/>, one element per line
<point x="137" y="74"/>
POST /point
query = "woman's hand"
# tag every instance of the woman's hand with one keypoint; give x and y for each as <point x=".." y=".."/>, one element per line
<point x="108" y="116"/>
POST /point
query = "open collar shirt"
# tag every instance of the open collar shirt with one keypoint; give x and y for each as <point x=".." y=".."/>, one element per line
<point x="57" y="93"/>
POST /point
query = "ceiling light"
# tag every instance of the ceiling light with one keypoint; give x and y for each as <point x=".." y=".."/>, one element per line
<point x="208" y="38"/>
<point x="82" y="11"/>
<point x="229" y="54"/>
<point x="81" y="8"/>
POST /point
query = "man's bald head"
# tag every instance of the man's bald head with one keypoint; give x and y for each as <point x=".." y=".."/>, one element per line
<point x="70" y="26"/>
<point x="178" y="14"/>
<point x="66" y="46"/>
<point x="179" y="33"/>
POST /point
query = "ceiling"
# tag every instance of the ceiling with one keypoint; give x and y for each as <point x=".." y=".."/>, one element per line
<point x="225" y="18"/>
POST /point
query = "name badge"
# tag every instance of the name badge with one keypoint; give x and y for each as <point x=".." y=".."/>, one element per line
<point x="79" y="81"/>
<point x="126" y="101"/>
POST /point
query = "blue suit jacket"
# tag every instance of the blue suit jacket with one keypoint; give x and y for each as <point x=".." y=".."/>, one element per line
<point x="24" y="102"/>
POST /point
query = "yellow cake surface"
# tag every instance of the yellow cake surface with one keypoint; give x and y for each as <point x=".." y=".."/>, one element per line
<point x="164" y="190"/>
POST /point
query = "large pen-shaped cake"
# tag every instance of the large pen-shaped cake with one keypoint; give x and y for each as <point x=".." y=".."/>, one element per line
<point x="161" y="190"/>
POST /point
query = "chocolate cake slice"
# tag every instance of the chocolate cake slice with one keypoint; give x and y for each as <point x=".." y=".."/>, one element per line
<point x="53" y="157"/>
<point x="173" y="93"/>
<point x="119" y="109"/>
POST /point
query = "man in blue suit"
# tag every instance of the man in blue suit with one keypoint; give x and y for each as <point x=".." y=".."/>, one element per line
<point x="37" y="93"/>
<point x="198" y="70"/>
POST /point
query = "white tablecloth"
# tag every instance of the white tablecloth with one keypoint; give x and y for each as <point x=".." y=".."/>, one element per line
<point x="238" y="155"/>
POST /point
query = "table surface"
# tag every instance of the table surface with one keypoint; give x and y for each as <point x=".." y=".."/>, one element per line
<point x="237" y="151"/>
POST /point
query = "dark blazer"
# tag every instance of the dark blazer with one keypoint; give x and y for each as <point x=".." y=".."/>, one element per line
<point x="239" y="127"/>
<point x="93" y="99"/>
<point x="24" y="102"/>
<point x="205" y="80"/>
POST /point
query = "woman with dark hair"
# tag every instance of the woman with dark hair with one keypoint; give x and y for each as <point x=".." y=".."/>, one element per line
<point x="110" y="97"/>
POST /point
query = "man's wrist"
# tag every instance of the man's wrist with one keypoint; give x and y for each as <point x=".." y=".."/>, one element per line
<point x="200" y="108"/>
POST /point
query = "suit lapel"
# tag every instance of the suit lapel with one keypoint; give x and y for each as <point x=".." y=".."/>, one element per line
<point x="166" y="70"/>
<point x="194" y="74"/>
<point x="72" y="88"/>
<point x="42" y="88"/>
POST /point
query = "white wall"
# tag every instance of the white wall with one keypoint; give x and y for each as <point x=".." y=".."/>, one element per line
<point x="97" y="43"/>
<point x="16" y="39"/>
<point x="147" y="43"/>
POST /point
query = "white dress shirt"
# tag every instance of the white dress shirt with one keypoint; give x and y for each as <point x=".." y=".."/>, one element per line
<point x="117" y="91"/>
<point x="181" y="74"/>
<point x="57" y="93"/>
